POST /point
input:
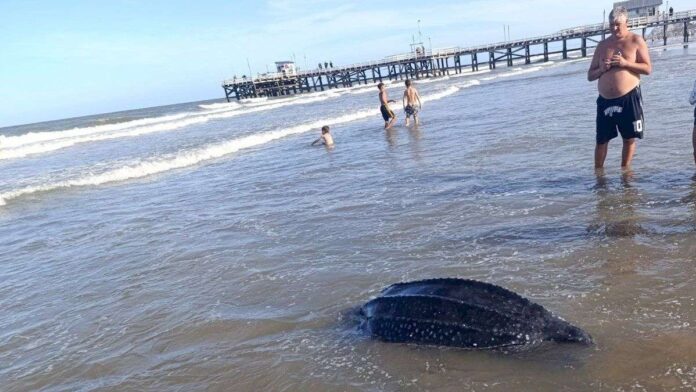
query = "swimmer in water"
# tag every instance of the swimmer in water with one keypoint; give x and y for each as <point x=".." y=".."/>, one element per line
<point x="325" y="137"/>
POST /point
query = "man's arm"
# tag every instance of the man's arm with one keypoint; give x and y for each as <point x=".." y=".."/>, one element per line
<point x="403" y="99"/>
<point x="642" y="65"/>
<point x="420" y="104"/>
<point x="383" y="98"/>
<point x="319" y="140"/>
<point x="596" y="68"/>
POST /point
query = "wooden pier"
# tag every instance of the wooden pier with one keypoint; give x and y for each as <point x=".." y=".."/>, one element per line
<point x="442" y="62"/>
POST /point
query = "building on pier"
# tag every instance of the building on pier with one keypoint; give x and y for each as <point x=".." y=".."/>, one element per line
<point x="638" y="8"/>
<point x="286" y="68"/>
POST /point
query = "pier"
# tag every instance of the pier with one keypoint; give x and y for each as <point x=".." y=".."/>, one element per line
<point x="441" y="62"/>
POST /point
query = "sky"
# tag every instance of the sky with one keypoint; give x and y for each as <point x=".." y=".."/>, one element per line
<point x="69" y="58"/>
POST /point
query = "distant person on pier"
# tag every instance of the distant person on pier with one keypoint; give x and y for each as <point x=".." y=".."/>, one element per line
<point x="412" y="102"/>
<point x="331" y="64"/>
<point x="671" y="12"/>
<point x="319" y="65"/>
<point x="692" y="100"/>
<point x="387" y="114"/>
<point x="326" y="65"/>
<point x="618" y="63"/>
<point x="325" y="137"/>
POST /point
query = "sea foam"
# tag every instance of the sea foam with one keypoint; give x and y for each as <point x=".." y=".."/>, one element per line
<point x="65" y="139"/>
<point x="197" y="156"/>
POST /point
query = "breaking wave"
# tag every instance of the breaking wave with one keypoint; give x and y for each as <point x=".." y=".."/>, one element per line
<point x="197" y="156"/>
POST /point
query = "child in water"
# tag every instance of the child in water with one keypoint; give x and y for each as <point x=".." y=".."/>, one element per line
<point x="325" y="137"/>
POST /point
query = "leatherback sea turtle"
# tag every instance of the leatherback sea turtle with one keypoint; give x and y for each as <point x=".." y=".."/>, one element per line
<point x="462" y="313"/>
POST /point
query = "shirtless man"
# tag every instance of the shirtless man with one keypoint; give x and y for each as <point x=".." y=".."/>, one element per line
<point x="618" y="63"/>
<point x="387" y="114"/>
<point x="412" y="102"/>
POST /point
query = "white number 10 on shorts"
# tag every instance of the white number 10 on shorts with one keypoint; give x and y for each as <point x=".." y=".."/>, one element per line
<point x="638" y="126"/>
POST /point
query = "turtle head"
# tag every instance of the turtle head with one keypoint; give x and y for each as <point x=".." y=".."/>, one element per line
<point x="563" y="332"/>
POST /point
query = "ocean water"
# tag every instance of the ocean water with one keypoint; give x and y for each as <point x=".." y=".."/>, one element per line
<point x="207" y="246"/>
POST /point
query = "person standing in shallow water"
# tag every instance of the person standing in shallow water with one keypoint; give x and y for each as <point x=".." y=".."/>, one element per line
<point x="617" y="64"/>
<point x="692" y="100"/>
<point x="387" y="114"/>
<point x="412" y="102"/>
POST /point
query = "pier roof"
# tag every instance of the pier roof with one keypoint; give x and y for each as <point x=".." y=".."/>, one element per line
<point x="636" y="4"/>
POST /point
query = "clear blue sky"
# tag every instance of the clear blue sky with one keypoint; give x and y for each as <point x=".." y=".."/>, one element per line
<point x="62" y="59"/>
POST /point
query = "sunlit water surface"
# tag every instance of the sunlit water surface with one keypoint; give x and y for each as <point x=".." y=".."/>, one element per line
<point x="217" y="251"/>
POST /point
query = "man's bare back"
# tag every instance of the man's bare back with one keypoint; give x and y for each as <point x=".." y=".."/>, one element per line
<point x="411" y="96"/>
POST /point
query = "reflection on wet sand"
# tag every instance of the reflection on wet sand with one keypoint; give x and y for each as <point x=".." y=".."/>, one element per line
<point x="390" y="136"/>
<point x="690" y="200"/>
<point x="616" y="215"/>
<point x="414" y="135"/>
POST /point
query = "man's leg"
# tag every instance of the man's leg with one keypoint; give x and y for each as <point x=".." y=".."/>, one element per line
<point x="407" y="118"/>
<point x="600" y="154"/>
<point x="629" y="148"/>
<point x="391" y="122"/>
<point x="416" y="120"/>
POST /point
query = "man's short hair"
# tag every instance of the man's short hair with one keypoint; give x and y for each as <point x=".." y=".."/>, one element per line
<point x="325" y="129"/>
<point x="408" y="82"/>
<point x="618" y="13"/>
<point x="379" y="86"/>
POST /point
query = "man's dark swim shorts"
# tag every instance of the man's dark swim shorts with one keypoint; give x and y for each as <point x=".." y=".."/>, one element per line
<point x="695" y="116"/>
<point x="624" y="114"/>
<point x="387" y="113"/>
<point x="411" y="110"/>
